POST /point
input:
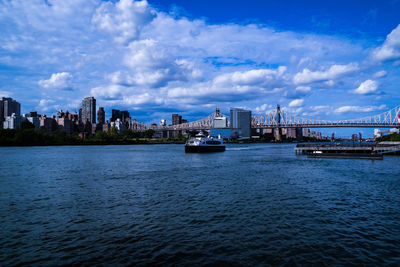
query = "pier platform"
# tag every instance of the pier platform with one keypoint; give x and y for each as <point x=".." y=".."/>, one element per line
<point x="348" y="150"/>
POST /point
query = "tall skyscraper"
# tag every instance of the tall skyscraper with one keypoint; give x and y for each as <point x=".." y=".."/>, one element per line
<point x="101" y="116"/>
<point x="89" y="109"/>
<point x="80" y="115"/>
<point x="241" y="122"/>
<point x="176" y="119"/>
<point x="115" y="114"/>
<point x="125" y="115"/>
<point x="8" y="106"/>
<point x="118" y="114"/>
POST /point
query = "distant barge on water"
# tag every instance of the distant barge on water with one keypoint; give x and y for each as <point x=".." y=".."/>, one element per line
<point x="366" y="150"/>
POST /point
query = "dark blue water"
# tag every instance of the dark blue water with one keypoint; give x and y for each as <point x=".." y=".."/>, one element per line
<point x="250" y="205"/>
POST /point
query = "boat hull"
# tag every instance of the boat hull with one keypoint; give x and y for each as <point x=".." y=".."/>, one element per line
<point x="204" y="149"/>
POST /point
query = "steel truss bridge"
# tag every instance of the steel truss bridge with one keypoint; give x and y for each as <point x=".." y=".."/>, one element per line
<point x="280" y="118"/>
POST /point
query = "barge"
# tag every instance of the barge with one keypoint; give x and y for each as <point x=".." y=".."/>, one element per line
<point x="347" y="150"/>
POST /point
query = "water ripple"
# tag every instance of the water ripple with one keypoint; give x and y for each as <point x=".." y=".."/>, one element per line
<point x="155" y="205"/>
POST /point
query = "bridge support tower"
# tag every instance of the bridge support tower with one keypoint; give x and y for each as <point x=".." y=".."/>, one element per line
<point x="278" y="130"/>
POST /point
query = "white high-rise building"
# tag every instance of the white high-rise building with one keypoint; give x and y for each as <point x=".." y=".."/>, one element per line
<point x="12" y="122"/>
<point x="220" y="122"/>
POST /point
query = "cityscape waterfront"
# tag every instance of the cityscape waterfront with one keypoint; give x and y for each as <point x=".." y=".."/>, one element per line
<point x="90" y="120"/>
<point x="199" y="133"/>
<point x="84" y="123"/>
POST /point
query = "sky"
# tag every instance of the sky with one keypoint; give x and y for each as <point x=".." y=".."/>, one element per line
<point x="328" y="60"/>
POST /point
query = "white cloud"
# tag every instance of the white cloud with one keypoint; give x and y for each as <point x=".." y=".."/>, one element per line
<point x="259" y="77"/>
<point x="110" y="92"/>
<point x="317" y="110"/>
<point x="335" y="71"/>
<point x="390" y="49"/>
<point x="380" y="74"/>
<point x="344" y="109"/>
<point x="155" y="64"/>
<point x="296" y="103"/>
<point x="295" y="110"/>
<point x="61" y="81"/>
<point x="124" y="19"/>
<point x="367" y="87"/>
<point x="128" y="53"/>
<point x="121" y="78"/>
<point x="330" y="83"/>
<point x="246" y="84"/>
<point x="47" y="105"/>
<point x="5" y="94"/>
<point x="264" y="108"/>
<point x="303" y="89"/>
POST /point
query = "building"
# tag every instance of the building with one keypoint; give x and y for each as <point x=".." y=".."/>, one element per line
<point x="35" y="121"/>
<point x="115" y="114"/>
<point x="290" y="133"/>
<point x="66" y="125"/>
<point x="379" y="133"/>
<point x="101" y="116"/>
<point x="13" y="122"/>
<point x="123" y="115"/>
<point x="176" y="119"/>
<point x="220" y="126"/>
<point x="118" y="125"/>
<point x="33" y="114"/>
<point x="240" y="122"/>
<point x="89" y="109"/>
<point x="48" y="124"/>
<point x="80" y="115"/>
<point x="8" y="106"/>
<point x="220" y="122"/>
<point x="105" y="127"/>
<point x="33" y="118"/>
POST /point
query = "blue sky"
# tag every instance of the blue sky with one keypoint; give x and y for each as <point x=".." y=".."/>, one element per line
<point x="317" y="59"/>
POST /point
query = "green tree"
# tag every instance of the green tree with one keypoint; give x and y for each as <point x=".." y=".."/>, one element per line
<point x="7" y="136"/>
<point x="129" y="134"/>
<point x="59" y="137"/>
<point x="27" y="125"/>
<point x="180" y="136"/>
<point x="101" y="136"/>
<point x="149" y="133"/>
<point x="26" y="137"/>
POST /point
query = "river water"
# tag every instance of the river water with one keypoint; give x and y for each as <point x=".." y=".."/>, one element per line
<point x="254" y="204"/>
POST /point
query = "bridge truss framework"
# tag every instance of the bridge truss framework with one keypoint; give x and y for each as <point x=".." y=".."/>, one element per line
<point x="282" y="119"/>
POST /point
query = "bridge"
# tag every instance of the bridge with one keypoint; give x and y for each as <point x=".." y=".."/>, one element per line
<point x="282" y="119"/>
<point x="279" y="118"/>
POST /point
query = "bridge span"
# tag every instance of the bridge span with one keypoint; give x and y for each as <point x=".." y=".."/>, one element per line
<point x="279" y="118"/>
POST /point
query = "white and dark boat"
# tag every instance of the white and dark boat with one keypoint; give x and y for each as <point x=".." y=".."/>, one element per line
<point x="200" y="143"/>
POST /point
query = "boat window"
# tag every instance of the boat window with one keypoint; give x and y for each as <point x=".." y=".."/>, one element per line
<point x="212" y="142"/>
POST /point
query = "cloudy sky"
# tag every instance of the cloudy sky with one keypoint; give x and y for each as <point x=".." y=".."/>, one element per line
<point x="318" y="59"/>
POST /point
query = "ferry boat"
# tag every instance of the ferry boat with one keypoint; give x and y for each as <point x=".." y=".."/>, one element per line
<point x="200" y="143"/>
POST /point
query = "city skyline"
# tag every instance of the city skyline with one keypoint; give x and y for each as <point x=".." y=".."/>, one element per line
<point x="155" y="58"/>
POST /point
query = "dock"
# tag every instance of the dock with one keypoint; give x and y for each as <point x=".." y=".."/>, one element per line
<point x="348" y="150"/>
